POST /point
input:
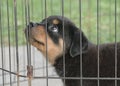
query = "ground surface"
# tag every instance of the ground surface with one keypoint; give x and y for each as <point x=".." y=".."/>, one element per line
<point x="38" y="63"/>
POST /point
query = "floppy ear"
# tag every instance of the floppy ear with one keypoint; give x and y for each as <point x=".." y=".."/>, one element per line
<point x="78" y="47"/>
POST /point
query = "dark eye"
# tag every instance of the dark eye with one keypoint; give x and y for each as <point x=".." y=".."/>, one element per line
<point x="53" y="28"/>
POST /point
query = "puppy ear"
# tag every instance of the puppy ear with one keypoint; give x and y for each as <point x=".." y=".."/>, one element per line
<point x="75" y="48"/>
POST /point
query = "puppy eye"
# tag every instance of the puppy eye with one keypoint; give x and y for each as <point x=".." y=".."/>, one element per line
<point x="54" y="29"/>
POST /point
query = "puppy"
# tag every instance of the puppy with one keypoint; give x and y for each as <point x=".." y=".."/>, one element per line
<point x="65" y="46"/>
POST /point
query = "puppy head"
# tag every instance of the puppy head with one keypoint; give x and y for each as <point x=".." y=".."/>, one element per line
<point x="55" y="35"/>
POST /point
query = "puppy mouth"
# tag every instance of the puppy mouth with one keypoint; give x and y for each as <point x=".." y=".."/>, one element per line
<point x="37" y="41"/>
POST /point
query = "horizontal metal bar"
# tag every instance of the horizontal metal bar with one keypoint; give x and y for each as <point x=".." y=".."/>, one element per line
<point x="79" y="78"/>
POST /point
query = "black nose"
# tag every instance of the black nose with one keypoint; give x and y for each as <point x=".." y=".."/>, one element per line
<point x="28" y="28"/>
<point x="31" y="24"/>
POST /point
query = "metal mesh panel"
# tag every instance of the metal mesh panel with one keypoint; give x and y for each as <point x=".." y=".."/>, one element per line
<point x="21" y="64"/>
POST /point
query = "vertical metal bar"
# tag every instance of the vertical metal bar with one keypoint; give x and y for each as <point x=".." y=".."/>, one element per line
<point x="45" y="3"/>
<point x="29" y="66"/>
<point x="28" y="20"/>
<point x="115" y="42"/>
<point x="16" y="39"/>
<point x="9" y="42"/>
<point x="80" y="25"/>
<point x="98" y="39"/>
<point x="31" y="16"/>
<point x="62" y="4"/>
<point x="42" y="18"/>
<point x="1" y="32"/>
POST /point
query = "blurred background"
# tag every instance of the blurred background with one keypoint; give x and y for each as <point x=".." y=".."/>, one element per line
<point x="98" y="19"/>
<point x="34" y="10"/>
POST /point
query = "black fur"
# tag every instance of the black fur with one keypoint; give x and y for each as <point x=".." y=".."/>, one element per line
<point x="89" y="53"/>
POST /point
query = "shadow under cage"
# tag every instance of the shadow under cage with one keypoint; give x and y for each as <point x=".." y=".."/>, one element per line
<point x="22" y="64"/>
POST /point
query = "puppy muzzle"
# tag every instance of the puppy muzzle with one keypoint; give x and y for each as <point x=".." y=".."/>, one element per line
<point x="30" y="26"/>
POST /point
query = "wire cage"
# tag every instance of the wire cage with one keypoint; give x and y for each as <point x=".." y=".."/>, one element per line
<point x="19" y="61"/>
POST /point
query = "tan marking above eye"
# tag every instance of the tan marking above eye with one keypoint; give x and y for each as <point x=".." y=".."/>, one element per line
<point x="55" y="21"/>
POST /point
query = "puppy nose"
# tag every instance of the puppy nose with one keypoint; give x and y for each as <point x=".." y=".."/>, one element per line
<point x="29" y="27"/>
<point x="31" y="24"/>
